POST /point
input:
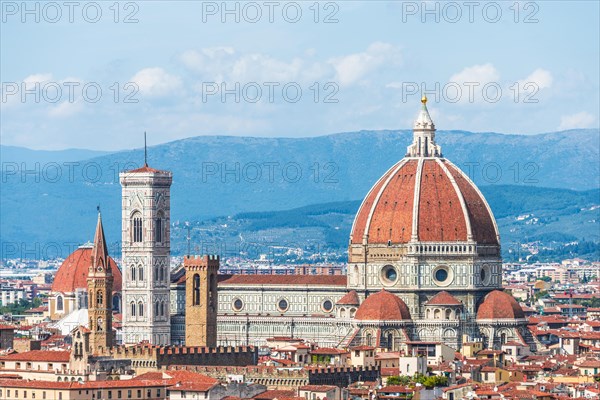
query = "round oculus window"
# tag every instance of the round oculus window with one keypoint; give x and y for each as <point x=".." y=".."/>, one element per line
<point x="282" y="305"/>
<point x="238" y="304"/>
<point x="441" y="275"/>
<point x="389" y="274"/>
<point x="327" y="306"/>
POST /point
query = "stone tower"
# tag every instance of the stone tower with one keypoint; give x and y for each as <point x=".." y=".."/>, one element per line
<point x="201" y="300"/>
<point x="100" y="284"/>
<point x="146" y="255"/>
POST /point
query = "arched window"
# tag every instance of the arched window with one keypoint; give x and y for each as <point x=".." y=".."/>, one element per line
<point x="390" y="341"/>
<point x="116" y="303"/>
<point x="369" y="340"/>
<point x="99" y="298"/>
<point x="156" y="309"/>
<point x="137" y="227"/>
<point x="162" y="309"/>
<point x="133" y="277"/>
<point x="448" y="313"/>
<point x="59" y="303"/>
<point x="196" y="287"/>
<point x="437" y="314"/>
<point x="141" y="273"/>
<point x="133" y="309"/>
<point x="100" y="324"/>
<point x="140" y="309"/>
<point x="503" y="338"/>
<point x="162" y="273"/>
<point x="158" y="229"/>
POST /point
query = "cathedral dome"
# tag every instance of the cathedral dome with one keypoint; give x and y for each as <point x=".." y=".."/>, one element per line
<point x="499" y="305"/>
<point x="425" y="198"/>
<point x="73" y="272"/>
<point x="383" y="306"/>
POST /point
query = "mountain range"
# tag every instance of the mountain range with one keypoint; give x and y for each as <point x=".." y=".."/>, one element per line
<point x="49" y="199"/>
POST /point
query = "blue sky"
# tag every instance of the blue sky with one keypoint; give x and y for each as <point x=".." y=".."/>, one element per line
<point x="364" y="69"/>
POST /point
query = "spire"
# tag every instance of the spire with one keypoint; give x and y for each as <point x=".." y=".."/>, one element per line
<point x="423" y="144"/>
<point x="145" y="151"/>
<point x="100" y="250"/>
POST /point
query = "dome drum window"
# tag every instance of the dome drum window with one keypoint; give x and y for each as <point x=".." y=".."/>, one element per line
<point x="389" y="274"/>
<point x="485" y="275"/>
<point x="442" y="275"/>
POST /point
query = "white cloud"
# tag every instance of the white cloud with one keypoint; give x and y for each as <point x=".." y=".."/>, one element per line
<point x="156" y="82"/>
<point x="37" y="78"/>
<point x="542" y="78"/>
<point x="65" y="109"/>
<point x="482" y="74"/>
<point x="579" y="120"/>
<point x="352" y="68"/>
<point x="224" y="64"/>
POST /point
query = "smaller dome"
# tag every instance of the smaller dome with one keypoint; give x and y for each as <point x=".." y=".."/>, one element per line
<point x="350" y="299"/>
<point x="499" y="305"/>
<point x="383" y="306"/>
<point x="443" y="298"/>
<point x="73" y="272"/>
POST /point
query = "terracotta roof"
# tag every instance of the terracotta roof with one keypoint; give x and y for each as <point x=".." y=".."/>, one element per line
<point x="39" y="355"/>
<point x="145" y="168"/>
<point x="396" y="389"/>
<point x="328" y="350"/>
<point x="386" y="213"/>
<point x="350" y="299"/>
<point x="73" y="272"/>
<point x="383" y="306"/>
<point x="362" y="348"/>
<point x="326" y="280"/>
<point x="443" y="298"/>
<point x="7" y="327"/>
<point x="318" y="388"/>
<point x="499" y="305"/>
<point x="274" y="394"/>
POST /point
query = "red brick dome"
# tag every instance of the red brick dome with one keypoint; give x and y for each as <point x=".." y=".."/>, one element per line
<point x="499" y="305"/>
<point x="73" y="272"/>
<point x="428" y="199"/>
<point x="443" y="298"/>
<point x="383" y="306"/>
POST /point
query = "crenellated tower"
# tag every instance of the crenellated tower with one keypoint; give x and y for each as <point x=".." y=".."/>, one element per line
<point x="201" y="300"/>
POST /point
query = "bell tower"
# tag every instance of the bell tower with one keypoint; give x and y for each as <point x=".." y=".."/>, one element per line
<point x="146" y="247"/>
<point x="100" y="284"/>
<point x="201" y="300"/>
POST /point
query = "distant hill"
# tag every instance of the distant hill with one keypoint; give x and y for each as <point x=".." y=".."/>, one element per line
<point x="220" y="175"/>
<point x="545" y="218"/>
<point x="22" y="154"/>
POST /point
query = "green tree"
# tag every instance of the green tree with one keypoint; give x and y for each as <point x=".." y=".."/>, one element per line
<point x="398" y="380"/>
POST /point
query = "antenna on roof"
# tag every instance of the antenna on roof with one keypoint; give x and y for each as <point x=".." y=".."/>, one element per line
<point x="145" y="151"/>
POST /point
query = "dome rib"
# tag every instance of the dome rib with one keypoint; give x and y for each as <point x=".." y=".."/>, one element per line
<point x="358" y="226"/>
<point x="416" y="200"/>
<point x="461" y="199"/>
<point x="401" y="164"/>
<point x="480" y="213"/>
